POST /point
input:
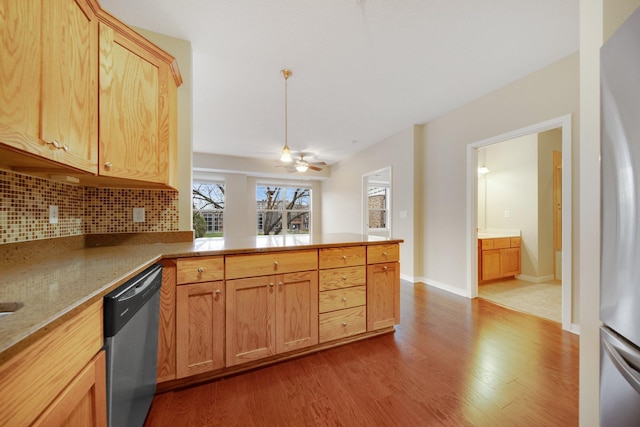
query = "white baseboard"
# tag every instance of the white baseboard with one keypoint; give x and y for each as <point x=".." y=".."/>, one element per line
<point x="407" y="278"/>
<point x="536" y="279"/>
<point x="443" y="286"/>
<point x="575" y="329"/>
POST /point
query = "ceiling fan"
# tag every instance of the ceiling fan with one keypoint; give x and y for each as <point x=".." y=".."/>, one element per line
<point x="302" y="165"/>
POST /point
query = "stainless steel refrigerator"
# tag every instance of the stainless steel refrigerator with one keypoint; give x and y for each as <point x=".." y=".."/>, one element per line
<point x="620" y="251"/>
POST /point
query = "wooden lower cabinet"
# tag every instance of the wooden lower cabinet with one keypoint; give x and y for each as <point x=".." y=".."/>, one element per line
<point x="498" y="258"/>
<point x="83" y="402"/>
<point x="200" y="331"/>
<point x="269" y="315"/>
<point x="59" y="379"/>
<point x="167" y="323"/>
<point x="383" y="295"/>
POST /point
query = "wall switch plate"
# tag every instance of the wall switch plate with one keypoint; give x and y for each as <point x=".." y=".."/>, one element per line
<point x="53" y="214"/>
<point x="507" y="214"/>
<point x="403" y="215"/>
<point x="138" y="214"/>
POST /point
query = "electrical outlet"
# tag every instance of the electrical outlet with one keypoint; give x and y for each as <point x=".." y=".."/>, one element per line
<point x="53" y="214"/>
<point x="138" y="214"/>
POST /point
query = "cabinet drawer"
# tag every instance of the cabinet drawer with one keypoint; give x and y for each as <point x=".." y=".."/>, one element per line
<point x="515" y="242"/>
<point x="238" y="266"/>
<point x="383" y="253"/>
<point x="486" y="244"/>
<point x="342" y="257"/>
<point x="342" y="298"/>
<point x="200" y="269"/>
<point x="342" y="277"/>
<point x="343" y="323"/>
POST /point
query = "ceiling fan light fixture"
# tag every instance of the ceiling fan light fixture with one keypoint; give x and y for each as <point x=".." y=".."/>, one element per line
<point x="302" y="167"/>
<point x="483" y="170"/>
<point x="286" y="155"/>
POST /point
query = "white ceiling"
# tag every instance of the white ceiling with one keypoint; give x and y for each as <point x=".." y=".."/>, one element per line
<point x="363" y="70"/>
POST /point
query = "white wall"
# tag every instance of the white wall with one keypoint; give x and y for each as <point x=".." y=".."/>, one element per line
<point x="512" y="186"/>
<point x="342" y="205"/>
<point x="546" y="94"/>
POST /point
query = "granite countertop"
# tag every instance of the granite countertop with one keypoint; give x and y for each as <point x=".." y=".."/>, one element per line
<point x="53" y="285"/>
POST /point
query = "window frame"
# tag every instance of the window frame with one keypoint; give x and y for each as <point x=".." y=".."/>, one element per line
<point x="213" y="211"/>
<point x="283" y="211"/>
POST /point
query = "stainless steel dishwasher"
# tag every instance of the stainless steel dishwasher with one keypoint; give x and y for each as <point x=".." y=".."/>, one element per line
<point x="131" y="317"/>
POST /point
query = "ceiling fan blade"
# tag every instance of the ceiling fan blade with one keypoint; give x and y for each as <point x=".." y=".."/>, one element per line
<point x="318" y="163"/>
<point x="314" y="168"/>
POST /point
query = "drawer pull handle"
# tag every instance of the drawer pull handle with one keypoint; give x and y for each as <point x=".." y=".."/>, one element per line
<point x="344" y="324"/>
<point x="385" y="268"/>
<point x="344" y="299"/>
<point x="200" y="269"/>
<point x="59" y="146"/>
<point x="344" y="277"/>
<point x="218" y="291"/>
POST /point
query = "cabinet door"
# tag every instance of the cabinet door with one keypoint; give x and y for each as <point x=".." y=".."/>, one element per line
<point x="167" y="324"/>
<point x="491" y="264"/>
<point x="383" y="295"/>
<point x="20" y="33"/>
<point x="296" y="311"/>
<point x="509" y="262"/>
<point x="200" y="309"/>
<point x="134" y="110"/>
<point x="70" y="84"/>
<point x="83" y="402"/>
<point x="251" y="326"/>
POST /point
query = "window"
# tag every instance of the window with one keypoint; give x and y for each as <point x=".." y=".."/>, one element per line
<point x="208" y="209"/>
<point x="377" y="200"/>
<point x="283" y="210"/>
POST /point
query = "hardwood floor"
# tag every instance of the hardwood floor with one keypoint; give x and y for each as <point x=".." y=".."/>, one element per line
<point x="451" y="362"/>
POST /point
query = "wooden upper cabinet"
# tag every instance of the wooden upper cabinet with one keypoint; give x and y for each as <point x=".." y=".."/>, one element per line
<point x="20" y="52"/>
<point x="70" y="84"/>
<point x="135" y="134"/>
<point x="49" y="91"/>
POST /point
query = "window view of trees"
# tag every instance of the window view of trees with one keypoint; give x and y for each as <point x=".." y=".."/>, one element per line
<point x="208" y="209"/>
<point x="377" y="206"/>
<point x="283" y="210"/>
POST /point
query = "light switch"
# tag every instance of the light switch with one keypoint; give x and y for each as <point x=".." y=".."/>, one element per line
<point x="138" y="214"/>
<point x="507" y="214"/>
<point x="53" y="214"/>
<point x="403" y="215"/>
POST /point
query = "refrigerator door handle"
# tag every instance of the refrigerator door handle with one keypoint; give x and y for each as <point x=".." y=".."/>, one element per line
<point x="628" y="367"/>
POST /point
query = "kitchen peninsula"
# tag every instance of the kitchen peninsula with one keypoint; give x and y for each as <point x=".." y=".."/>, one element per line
<point x="227" y="305"/>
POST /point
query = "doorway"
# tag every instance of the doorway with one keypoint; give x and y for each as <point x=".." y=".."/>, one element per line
<point x="476" y="220"/>
<point x="376" y="202"/>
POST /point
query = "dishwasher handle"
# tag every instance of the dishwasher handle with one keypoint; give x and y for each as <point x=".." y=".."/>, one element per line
<point x="125" y="301"/>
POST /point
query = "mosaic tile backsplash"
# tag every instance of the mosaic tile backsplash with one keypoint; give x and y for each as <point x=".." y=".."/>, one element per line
<point x="25" y="201"/>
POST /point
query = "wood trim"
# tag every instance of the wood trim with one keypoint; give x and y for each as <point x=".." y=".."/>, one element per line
<point x="167" y="326"/>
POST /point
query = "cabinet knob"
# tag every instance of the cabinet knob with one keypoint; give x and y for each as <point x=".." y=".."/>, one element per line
<point x="385" y="268"/>
<point x="271" y="285"/>
<point x="385" y="253"/>
<point x="200" y="269"/>
<point x="344" y="324"/>
<point x="344" y="277"/>
<point x="344" y="257"/>
<point x="218" y="291"/>
<point x="108" y="165"/>
<point x="344" y="299"/>
<point x="280" y="283"/>
<point x="275" y="263"/>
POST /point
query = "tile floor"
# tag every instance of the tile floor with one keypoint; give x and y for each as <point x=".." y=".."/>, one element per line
<point x="540" y="299"/>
